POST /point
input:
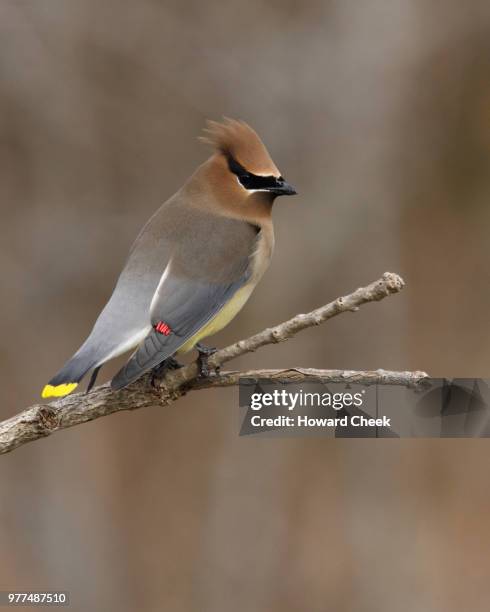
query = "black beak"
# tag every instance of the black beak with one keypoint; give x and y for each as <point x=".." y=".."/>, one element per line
<point x="282" y="188"/>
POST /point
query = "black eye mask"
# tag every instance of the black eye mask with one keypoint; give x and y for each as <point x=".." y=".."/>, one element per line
<point x="253" y="181"/>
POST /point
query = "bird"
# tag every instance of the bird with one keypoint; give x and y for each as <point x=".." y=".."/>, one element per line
<point x="192" y="267"/>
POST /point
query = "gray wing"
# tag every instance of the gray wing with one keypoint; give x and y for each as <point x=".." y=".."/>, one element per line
<point x="124" y="321"/>
<point x="191" y="306"/>
<point x="200" y="279"/>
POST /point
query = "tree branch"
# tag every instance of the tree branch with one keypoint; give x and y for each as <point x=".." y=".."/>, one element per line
<point x="41" y="420"/>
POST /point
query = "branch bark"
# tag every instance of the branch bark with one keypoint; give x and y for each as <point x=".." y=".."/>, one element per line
<point x="42" y="420"/>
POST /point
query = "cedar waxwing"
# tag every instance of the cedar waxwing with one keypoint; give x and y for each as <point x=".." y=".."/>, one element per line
<point x="192" y="267"/>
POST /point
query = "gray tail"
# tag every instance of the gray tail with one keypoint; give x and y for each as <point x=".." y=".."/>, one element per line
<point x="73" y="371"/>
<point x="71" y="374"/>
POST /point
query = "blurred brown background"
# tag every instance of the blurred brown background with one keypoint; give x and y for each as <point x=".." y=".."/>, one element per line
<point x="379" y="112"/>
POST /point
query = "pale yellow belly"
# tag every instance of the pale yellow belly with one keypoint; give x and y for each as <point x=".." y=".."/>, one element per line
<point x="220" y="320"/>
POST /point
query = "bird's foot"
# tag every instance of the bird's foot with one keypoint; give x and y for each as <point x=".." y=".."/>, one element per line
<point x="159" y="371"/>
<point x="204" y="353"/>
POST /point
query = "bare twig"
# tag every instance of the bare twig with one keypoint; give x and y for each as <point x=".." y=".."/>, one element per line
<point x="297" y="375"/>
<point x="42" y="420"/>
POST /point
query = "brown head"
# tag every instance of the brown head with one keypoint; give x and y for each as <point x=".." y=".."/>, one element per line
<point x="241" y="171"/>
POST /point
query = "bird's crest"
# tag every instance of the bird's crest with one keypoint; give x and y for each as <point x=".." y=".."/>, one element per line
<point x="236" y="139"/>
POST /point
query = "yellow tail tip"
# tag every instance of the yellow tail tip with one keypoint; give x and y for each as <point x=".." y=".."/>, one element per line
<point x="58" y="390"/>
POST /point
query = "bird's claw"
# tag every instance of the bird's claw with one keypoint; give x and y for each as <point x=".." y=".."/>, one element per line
<point x="204" y="353"/>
